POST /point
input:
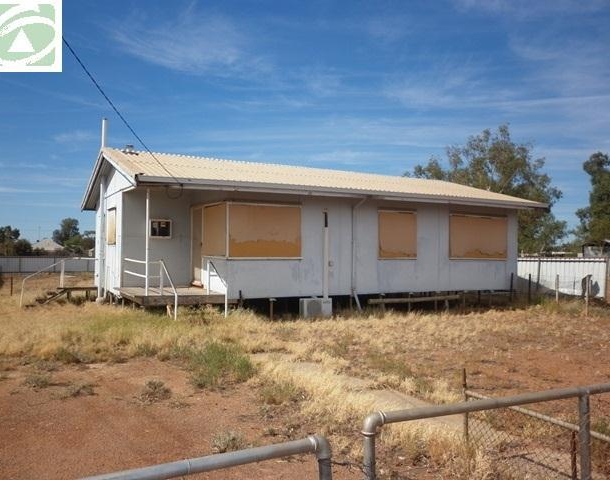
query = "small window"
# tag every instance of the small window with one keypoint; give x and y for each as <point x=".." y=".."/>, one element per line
<point x="111" y="226"/>
<point x="478" y="237"/>
<point x="161" y="229"/>
<point x="397" y="234"/>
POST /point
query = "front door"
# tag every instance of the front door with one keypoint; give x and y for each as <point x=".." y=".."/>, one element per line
<point x="196" y="243"/>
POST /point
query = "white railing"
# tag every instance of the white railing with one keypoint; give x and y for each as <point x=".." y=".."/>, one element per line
<point x="163" y="272"/>
<point x="62" y="274"/>
<point x="209" y="266"/>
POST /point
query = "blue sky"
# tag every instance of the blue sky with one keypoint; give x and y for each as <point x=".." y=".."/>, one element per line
<point x="369" y="86"/>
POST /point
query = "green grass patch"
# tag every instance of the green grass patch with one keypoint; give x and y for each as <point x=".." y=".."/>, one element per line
<point x="216" y="363"/>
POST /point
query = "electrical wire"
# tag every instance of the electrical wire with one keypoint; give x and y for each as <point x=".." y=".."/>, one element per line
<point x="116" y="110"/>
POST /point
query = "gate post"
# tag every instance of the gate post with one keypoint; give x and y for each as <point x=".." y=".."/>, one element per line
<point x="584" y="427"/>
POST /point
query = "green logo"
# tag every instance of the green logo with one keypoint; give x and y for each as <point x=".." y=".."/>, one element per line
<point x="30" y="36"/>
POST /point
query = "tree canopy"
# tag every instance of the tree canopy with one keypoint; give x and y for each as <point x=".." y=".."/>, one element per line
<point x="68" y="228"/>
<point x="595" y="218"/>
<point x="492" y="161"/>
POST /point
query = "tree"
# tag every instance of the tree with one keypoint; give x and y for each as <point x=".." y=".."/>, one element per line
<point x="595" y="219"/>
<point x="492" y="161"/>
<point x="22" y="247"/>
<point x="8" y="236"/>
<point x="68" y="228"/>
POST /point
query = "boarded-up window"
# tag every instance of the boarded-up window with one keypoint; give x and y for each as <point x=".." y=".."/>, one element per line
<point x="397" y="234"/>
<point x="477" y="236"/>
<point x="111" y="226"/>
<point x="214" y="230"/>
<point x="264" y="231"/>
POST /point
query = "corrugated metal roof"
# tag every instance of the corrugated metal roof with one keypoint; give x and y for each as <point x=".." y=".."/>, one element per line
<point x="202" y="170"/>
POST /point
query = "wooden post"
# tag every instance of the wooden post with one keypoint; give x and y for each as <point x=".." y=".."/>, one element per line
<point x="490" y="295"/>
<point x="464" y="389"/>
<point x="11" y="285"/>
<point x="557" y="288"/>
<point x="463" y="301"/>
<point x="382" y="296"/>
<point x="478" y="297"/>
<point x="587" y="294"/>
<point x="271" y="302"/>
<point x="241" y="300"/>
<point x="510" y="294"/>
<point x="529" y="288"/>
<point x="409" y="304"/>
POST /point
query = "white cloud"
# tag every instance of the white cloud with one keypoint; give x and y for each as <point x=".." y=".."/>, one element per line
<point x="75" y="137"/>
<point x="528" y="8"/>
<point x="193" y="42"/>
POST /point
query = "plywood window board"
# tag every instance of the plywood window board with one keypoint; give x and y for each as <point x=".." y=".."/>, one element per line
<point x="214" y="243"/>
<point x="111" y="226"/>
<point x="397" y="234"/>
<point x="264" y="231"/>
<point x="478" y="236"/>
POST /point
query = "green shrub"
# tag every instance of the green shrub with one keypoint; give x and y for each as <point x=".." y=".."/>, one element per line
<point x="217" y="362"/>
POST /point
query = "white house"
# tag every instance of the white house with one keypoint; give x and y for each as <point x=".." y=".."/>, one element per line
<point x="255" y="230"/>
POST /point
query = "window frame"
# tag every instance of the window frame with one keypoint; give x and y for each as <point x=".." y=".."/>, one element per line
<point x="395" y="210"/>
<point x="159" y="237"/>
<point x="477" y="215"/>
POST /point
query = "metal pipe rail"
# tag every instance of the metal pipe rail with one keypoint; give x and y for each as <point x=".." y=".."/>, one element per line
<point x="313" y="444"/>
<point x="377" y="420"/>
<point x="62" y="262"/>
<point x="545" y="418"/>
<point x="163" y="269"/>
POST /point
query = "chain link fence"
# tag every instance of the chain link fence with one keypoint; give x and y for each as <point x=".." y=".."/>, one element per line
<point x="524" y="443"/>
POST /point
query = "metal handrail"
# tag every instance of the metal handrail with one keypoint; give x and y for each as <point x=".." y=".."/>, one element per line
<point x="163" y="268"/>
<point x="211" y="263"/>
<point x="313" y="444"/>
<point x="61" y="281"/>
<point x="377" y="420"/>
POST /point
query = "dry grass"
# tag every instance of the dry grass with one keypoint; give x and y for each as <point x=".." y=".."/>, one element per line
<point x="227" y="441"/>
<point x="154" y="391"/>
<point x="417" y="354"/>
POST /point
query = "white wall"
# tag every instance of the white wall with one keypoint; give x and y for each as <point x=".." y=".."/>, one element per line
<point x="431" y="271"/>
<point x="175" y="251"/>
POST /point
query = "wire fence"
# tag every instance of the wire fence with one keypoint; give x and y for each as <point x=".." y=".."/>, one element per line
<point x="525" y="443"/>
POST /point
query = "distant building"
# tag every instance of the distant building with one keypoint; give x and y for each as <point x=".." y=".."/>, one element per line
<point x="48" y="245"/>
<point x="596" y="249"/>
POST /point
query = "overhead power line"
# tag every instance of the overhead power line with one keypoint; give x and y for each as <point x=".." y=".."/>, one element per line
<point x="116" y="110"/>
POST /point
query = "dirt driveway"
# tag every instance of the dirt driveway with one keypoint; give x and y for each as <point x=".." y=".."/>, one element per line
<point x="45" y="435"/>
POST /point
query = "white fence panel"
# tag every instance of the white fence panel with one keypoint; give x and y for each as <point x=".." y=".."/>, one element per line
<point x="34" y="264"/>
<point x="571" y="272"/>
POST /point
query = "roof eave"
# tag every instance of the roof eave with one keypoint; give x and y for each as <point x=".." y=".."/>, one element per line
<point x="305" y="190"/>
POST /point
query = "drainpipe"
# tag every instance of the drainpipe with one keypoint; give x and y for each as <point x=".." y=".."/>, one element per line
<point x="325" y="273"/>
<point x="101" y="254"/>
<point x="354" y="293"/>
<point x="147" y="242"/>
<point x="104" y="132"/>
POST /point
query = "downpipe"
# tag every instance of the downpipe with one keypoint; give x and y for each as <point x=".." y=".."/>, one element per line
<point x="353" y="289"/>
